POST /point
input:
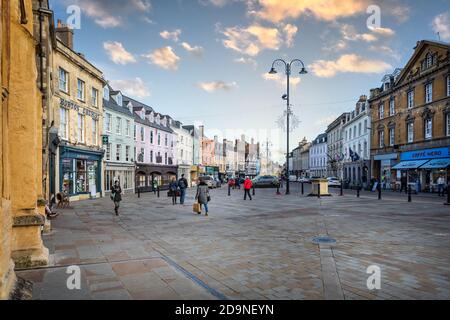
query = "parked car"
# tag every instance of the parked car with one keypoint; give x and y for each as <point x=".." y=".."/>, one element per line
<point x="209" y="181"/>
<point x="334" y="182"/>
<point x="266" y="182"/>
<point x="217" y="182"/>
<point x="304" y="180"/>
<point x="293" y="178"/>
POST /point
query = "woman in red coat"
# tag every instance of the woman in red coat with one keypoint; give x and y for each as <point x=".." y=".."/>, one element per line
<point x="248" y="184"/>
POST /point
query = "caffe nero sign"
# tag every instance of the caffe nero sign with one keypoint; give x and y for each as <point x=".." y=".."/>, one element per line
<point x="426" y="154"/>
<point x="71" y="105"/>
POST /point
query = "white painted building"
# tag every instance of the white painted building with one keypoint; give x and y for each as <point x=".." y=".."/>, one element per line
<point x="357" y="144"/>
<point x="184" y="150"/>
<point x="318" y="157"/>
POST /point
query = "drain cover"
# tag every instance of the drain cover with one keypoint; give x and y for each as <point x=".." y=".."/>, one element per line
<point x="323" y="240"/>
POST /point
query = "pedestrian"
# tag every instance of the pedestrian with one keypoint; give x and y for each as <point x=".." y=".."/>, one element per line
<point x="173" y="188"/>
<point x="155" y="185"/>
<point x="116" y="196"/>
<point x="202" y="196"/>
<point x="403" y="183"/>
<point x="248" y="184"/>
<point x="238" y="183"/>
<point x="441" y="185"/>
<point x="231" y="183"/>
<point x="182" y="184"/>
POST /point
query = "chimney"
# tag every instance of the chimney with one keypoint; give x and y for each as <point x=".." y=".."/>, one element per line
<point x="65" y="34"/>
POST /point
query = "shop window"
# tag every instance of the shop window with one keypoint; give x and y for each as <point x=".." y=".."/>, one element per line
<point x="63" y="123"/>
<point x="67" y="175"/>
<point x="428" y="128"/>
<point x="141" y="181"/>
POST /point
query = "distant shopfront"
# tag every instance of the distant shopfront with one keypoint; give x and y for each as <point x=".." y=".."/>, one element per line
<point x="424" y="167"/>
<point x="383" y="165"/>
<point x="80" y="172"/>
<point x="147" y="176"/>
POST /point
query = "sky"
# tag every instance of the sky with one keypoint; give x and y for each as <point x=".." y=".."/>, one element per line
<point x="206" y="61"/>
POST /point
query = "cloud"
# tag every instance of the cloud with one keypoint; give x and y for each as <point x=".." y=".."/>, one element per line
<point x="255" y="38"/>
<point x="164" y="57"/>
<point x="387" y="32"/>
<point x="216" y="3"/>
<point x="441" y="24"/>
<point x="280" y="10"/>
<point x="174" y="35"/>
<point x="194" y="50"/>
<point x="112" y="13"/>
<point x="290" y="31"/>
<point x="244" y="60"/>
<point x="348" y="63"/>
<point x="386" y="51"/>
<point x="117" y="53"/>
<point x="349" y="33"/>
<point x="325" y="121"/>
<point x="216" y="85"/>
<point x="281" y="79"/>
<point x="132" y="87"/>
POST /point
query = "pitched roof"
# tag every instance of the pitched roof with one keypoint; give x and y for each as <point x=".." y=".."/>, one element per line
<point x="113" y="106"/>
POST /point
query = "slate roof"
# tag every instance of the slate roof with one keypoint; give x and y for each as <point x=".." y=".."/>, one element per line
<point x="113" y="106"/>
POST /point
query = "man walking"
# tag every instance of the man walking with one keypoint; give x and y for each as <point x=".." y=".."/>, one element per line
<point x="248" y="184"/>
<point x="403" y="183"/>
<point x="182" y="184"/>
<point x="441" y="185"/>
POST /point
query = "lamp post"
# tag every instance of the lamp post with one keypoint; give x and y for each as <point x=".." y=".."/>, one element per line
<point x="288" y="69"/>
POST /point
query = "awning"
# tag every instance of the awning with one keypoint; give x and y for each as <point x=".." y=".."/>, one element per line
<point x="437" y="164"/>
<point x="405" y="165"/>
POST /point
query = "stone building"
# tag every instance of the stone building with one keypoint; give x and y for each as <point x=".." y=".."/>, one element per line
<point x="252" y="159"/>
<point x="411" y="120"/>
<point x="318" y="157"/>
<point x="77" y="112"/>
<point x="335" y="146"/>
<point x="21" y="201"/>
<point x="304" y="160"/>
<point x="196" y="152"/>
<point x="118" y="130"/>
<point x="184" y="151"/>
<point x="229" y="155"/>
<point x="357" y="144"/>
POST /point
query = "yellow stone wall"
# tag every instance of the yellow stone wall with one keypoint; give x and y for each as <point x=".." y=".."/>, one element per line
<point x="21" y="167"/>
<point x="77" y="68"/>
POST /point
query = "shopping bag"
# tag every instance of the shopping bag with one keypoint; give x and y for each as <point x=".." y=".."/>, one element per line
<point x="196" y="207"/>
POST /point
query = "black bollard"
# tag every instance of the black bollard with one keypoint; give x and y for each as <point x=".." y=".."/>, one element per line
<point x="303" y="189"/>
<point x="409" y="194"/>
<point x="229" y="190"/>
<point x="448" y="196"/>
<point x="358" y="191"/>
<point x="318" y="191"/>
<point x="157" y="190"/>
<point x="342" y="189"/>
<point x="253" y="191"/>
<point x="379" y="192"/>
<point x="139" y="192"/>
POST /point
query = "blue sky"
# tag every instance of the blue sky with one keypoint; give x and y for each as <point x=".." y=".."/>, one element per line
<point x="204" y="61"/>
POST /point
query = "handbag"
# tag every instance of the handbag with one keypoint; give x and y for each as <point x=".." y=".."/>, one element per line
<point x="112" y="196"/>
<point x="196" y="207"/>
<point x="208" y="198"/>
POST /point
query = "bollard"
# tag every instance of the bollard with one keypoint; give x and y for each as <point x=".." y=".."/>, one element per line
<point x="253" y="190"/>
<point x="318" y="191"/>
<point x="342" y="189"/>
<point x="139" y="192"/>
<point x="229" y="190"/>
<point x="358" y="191"/>
<point x="157" y="190"/>
<point x="303" y="189"/>
<point x="409" y="194"/>
<point x="379" y="192"/>
<point x="448" y="196"/>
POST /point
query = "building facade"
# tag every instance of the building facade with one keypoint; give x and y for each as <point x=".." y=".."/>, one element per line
<point x="196" y="152"/>
<point x="357" y="145"/>
<point x="229" y="154"/>
<point x="410" y="120"/>
<point x="155" y="147"/>
<point x="118" y="141"/>
<point x="318" y="157"/>
<point x="252" y="159"/>
<point x="184" y="150"/>
<point x="21" y="197"/>
<point x="240" y="156"/>
<point x="335" y="147"/>
<point x="304" y="160"/>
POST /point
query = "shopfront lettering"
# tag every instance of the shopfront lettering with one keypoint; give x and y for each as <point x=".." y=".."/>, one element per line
<point x="426" y="154"/>
<point x="71" y="105"/>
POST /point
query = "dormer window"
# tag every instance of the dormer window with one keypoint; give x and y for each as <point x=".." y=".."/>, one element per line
<point x="119" y="99"/>
<point x="387" y="86"/>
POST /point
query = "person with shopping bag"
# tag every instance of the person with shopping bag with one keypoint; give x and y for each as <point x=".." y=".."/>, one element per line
<point x="202" y="197"/>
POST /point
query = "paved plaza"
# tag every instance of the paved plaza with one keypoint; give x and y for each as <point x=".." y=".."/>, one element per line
<point x="259" y="249"/>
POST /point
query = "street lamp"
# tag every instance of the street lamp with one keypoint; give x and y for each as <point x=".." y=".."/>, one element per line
<point x="288" y="68"/>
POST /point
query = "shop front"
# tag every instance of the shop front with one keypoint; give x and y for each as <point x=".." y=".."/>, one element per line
<point x="424" y="167"/>
<point x="122" y="173"/>
<point x="148" y="176"/>
<point x="356" y="174"/>
<point x="383" y="171"/>
<point x="186" y="170"/>
<point x="80" y="172"/>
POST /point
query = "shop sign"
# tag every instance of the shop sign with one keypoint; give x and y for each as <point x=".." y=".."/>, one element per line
<point x="105" y="139"/>
<point x="71" y="105"/>
<point x="426" y="154"/>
